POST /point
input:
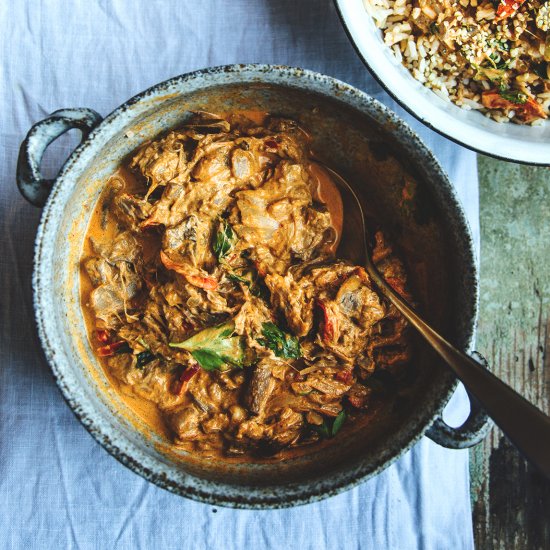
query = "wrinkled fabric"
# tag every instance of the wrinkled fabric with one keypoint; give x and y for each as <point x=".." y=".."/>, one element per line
<point x="58" y="487"/>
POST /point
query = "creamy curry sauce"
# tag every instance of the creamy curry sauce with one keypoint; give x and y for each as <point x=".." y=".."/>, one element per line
<point x="215" y="300"/>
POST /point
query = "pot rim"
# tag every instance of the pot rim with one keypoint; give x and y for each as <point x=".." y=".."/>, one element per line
<point x="302" y="493"/>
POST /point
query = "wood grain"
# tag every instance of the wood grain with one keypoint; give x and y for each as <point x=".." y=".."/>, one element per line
<point x="511" y="501"/>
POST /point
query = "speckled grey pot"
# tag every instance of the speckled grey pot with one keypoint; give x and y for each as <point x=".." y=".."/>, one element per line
<point x="359" y="137"/>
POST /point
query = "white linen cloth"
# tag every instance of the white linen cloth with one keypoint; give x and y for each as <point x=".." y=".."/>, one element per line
<point x="58" y="487"/>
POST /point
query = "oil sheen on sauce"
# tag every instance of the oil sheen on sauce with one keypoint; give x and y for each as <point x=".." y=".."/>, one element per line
<point x="103" y="227"/>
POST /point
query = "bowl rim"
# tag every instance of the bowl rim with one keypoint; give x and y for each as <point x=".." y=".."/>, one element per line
<point x="302" y="493"/>
<point x="513" y="153"/>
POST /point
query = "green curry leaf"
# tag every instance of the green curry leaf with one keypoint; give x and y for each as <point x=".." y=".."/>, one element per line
<point x="514" y="96"/>
<point x="224" y="240"/>
<point x="215" y="348"/>
<point x="239" y="279"/>
<point x="281" y="343"/>
<point x="252" y="282"/>
<point x="144" y="358"/>
<point x="330" y="428"/>
<point x="338" y="422"/>
<point x="208" y="359"/>
<point x="124" y="348"/>
<point x="323" y="430"/>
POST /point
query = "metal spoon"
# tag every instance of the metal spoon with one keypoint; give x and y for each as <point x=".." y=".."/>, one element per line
<point x="526" y="426"/>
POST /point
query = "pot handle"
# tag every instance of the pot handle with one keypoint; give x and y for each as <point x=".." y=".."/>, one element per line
<point x="31" y="184"/>
<point x="474" y="429"/>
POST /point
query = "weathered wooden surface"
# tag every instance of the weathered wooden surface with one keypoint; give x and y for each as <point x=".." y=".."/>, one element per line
<point x="511" y="501"/>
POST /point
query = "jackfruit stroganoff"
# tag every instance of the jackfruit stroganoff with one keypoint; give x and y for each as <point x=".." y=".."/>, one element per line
<point x="212" y="288"/>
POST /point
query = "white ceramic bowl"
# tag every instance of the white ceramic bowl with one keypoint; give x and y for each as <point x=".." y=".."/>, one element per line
<point x="526" y="144"/>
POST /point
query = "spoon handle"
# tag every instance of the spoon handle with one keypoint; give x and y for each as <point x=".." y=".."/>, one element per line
<point x="526" y="426"/>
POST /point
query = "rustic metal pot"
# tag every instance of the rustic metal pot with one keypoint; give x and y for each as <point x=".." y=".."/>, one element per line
<point x="362" y="139"/>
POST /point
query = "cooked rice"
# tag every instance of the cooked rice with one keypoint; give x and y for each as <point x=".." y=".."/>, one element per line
<point x="467" y="52"/>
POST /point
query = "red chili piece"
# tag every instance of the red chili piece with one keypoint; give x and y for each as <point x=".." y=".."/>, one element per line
<point x="328" y="323"/>
<point x="207" y="283"/>
<point x="179" y="385"/>
<point x="110" y="349"/>
<point x="506" y="8"/>
<point x="271" y="143"/>
<point x="345" y="376"/>
<point x="102" y="336"/>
